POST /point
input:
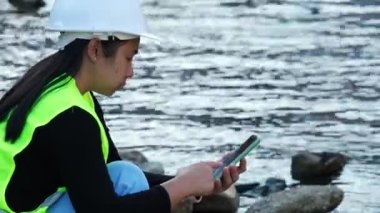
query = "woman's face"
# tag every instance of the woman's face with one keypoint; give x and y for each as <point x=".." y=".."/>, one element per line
<point x="111" y="73"/>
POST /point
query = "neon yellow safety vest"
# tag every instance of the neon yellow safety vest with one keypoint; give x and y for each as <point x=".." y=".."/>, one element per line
<point x="53" y="101"/>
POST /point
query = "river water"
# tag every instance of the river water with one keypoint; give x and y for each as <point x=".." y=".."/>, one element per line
<point x="302" y="74"/>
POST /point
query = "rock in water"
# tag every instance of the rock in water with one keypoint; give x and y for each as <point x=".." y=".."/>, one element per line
<point x="185" y="206"/>
<point x="141" y="161"/>
<point x="307" y="199"/>
<point x="152" y="167"/>
<point x="27" y="5"/>
<point x="226" y="202"/>
<point x="317" y="168"/>
<point x="272" y="185"/>
<point x="275" y="185"/>
<point x="241" y="188"/>
<point x="134" y="156"/>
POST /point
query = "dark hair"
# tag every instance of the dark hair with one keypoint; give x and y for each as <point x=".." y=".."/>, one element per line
<point x="21" y="97"/>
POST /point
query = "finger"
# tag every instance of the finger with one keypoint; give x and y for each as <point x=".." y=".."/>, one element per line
<point x="234" y="173"/>
<point x="226" y="179"/>
<point x="242" y="166"/>
<point x="218" y="186"/>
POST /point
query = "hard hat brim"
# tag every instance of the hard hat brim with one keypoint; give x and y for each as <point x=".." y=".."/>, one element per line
<point x="67" y="37"/>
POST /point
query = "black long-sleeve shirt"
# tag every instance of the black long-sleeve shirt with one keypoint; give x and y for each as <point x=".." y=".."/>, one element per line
<point x="67" y="152"/>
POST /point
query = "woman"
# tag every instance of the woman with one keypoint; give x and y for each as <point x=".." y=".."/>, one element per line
<point x="55" y="150"/>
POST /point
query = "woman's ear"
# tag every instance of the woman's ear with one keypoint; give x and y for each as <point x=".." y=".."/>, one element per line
<point x="93" y="49"/>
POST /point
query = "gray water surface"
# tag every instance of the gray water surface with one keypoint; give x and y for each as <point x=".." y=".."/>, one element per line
<point x="302" y="74"/>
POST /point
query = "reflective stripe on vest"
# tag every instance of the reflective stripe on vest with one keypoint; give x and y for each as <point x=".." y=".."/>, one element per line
<point x="55" y="100"/>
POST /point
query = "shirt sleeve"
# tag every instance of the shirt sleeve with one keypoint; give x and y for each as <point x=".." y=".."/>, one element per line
<point x="84" y="173"/>
<point x="156" y="179"/>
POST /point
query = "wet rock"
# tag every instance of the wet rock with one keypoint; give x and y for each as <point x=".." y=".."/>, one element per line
<point x="317" y="168"/>
<point x="141" y="161"/>
<point x="272" y="185"/>
<point x="242" y="188"/>
<point x="225" y="202"/>
<point x="185" y="207"/>
<point x="316" y="199"/>
<point x="134" y="156"/>
<point x="152" y="167"/>
<point x="27" y="5"/>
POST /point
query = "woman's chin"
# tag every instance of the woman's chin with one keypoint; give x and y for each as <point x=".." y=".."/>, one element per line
<point x="107" y="93"/>
<point x="121" y="86"/>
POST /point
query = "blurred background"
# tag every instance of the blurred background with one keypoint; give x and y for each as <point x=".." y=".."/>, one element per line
<point x="303" y="74"/>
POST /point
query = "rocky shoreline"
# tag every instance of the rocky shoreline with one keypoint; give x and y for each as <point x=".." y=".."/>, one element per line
<point x="314" y="191"/>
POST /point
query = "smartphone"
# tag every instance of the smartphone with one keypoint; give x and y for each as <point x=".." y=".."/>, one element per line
<point x="234" y="157"/>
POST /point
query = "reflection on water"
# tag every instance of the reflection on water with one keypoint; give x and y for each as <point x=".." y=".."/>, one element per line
<point x="303" y="74"/>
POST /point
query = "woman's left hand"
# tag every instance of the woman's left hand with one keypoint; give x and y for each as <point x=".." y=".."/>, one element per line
<point x="230" y="176"/>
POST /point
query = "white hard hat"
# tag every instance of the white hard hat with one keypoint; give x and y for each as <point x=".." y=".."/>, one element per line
<point x="88" y="19"/>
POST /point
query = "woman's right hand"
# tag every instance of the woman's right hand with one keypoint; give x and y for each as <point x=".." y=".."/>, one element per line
<point x="198" y="178"/>
<point x="194" y="180"/>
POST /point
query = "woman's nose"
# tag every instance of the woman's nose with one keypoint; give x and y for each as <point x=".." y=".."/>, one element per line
<point x="130" y="72"/>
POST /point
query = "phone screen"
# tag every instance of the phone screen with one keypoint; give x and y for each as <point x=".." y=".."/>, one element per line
<point x="235" y="156"/>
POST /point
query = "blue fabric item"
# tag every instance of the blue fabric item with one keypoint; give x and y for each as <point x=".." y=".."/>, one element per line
<point x="127" y="178"/>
